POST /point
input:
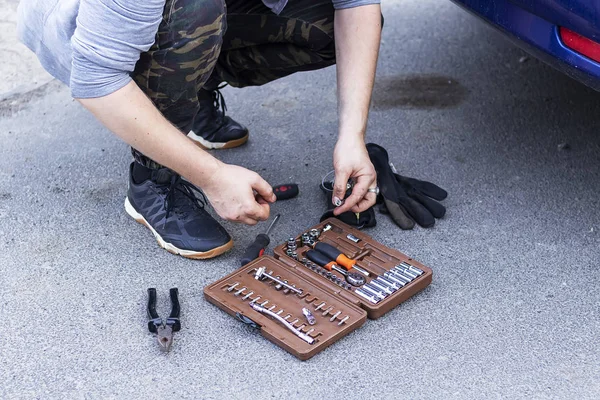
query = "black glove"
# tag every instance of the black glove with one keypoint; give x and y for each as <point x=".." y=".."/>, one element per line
<point x="406" y="200"/>
<point x="366" y="218"/>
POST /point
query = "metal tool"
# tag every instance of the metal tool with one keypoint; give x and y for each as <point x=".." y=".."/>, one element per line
<point x="247" y="295"/>
<point x="309" y="316"/>
<point x="260" y="273"/>
<point x="412" y="268"/>
<point x="367" y="296"/>
<point x="257" y="248"/>
<point x="374" y="291"/>
<point x="396" y="279"/>
<point x="401" y="274"/>
<point x="343" y="320"/>
<point x="327" y="311"/>
<point x="355" y="279"/>
<point x="352" y="238"/>
<point x="381" y="286"/>
<point x="240" y="291"/>
<point x="282" y="321"/>
<point x="314" y="234"/>
<point x="286" y="291"/>
<point x="320" y="306"/>
<point x="279" y="286"/>
<point x="351" y="277"/>
<point x="233" y="286"/>
<point x="391" y="284"/>
<point x="335" y="316"/>
<point x="405" y="271"/>
<point x="164" y="328"/>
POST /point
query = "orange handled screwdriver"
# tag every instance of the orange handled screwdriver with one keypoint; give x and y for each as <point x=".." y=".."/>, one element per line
<point x="339" y="257"/>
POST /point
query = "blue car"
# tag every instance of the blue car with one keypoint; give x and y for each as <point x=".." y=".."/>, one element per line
<point x="563" y="33"/>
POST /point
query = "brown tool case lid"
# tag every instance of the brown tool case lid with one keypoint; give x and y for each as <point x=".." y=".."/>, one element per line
<point x="325" y="331"/>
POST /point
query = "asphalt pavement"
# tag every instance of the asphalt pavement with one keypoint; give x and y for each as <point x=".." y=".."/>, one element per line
<point x="514" y="307"/>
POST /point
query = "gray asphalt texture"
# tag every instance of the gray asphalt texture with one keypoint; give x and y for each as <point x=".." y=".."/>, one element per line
<point x="513" y="310"/>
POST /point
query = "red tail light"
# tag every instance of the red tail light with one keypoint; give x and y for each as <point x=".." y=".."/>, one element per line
<point x="580" y="44"/>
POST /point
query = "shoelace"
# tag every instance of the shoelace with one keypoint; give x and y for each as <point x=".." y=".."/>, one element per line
<point x="179" y="185"/>
<point x="219" y="101"/>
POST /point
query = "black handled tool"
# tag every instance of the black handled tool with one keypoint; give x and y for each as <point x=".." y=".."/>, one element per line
<point x="287" y="191"/>
<point x="164" y="328"/>
<point x="321" y="259"/>
<point x="257" y="248"/>
<point x="339" y="257"/>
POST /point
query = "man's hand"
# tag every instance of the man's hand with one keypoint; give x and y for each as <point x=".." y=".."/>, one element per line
<point x="351" y="160"/>
<point x="236" y="193"/>
<point x="357" y="37"/>
<point x="239" y="195"/>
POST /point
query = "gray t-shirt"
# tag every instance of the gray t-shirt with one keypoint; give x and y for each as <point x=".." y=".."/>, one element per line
<point x="93" y="45"/>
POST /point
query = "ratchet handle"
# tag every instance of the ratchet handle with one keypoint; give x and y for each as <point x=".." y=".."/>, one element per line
<point x="320" y="259"/>
<point x="256" y="249"/>
<point x="335" y="255"/>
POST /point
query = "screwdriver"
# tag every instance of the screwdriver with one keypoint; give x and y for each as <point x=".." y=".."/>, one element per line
<point x="257" y="248"/>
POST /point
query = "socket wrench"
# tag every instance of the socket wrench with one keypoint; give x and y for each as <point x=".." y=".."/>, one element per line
<point x="282" y="321"/>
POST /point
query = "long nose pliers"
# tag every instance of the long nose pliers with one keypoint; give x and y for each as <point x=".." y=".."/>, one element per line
<point x="164" y="328"/>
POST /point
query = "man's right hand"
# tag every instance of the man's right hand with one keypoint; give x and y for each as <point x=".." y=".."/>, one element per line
<point x="238" y="194"/>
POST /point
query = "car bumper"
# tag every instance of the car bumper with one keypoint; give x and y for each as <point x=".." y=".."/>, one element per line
<point x="535" y="28"/>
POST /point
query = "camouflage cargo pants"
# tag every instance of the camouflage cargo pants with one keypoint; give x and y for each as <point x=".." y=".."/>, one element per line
<point x="241" y="42"/>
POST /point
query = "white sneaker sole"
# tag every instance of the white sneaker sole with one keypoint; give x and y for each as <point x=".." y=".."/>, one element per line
<point x="206" y="145"/>
<point x="197" y="255"/>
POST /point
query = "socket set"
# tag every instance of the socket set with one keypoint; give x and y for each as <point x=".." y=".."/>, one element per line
<point x="320" y="286"/>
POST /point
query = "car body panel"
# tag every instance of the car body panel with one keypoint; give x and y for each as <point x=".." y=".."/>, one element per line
<point x="533" y="25"/>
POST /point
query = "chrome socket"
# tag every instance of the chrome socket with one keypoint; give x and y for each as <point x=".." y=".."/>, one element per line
<point x="367" y="296"/>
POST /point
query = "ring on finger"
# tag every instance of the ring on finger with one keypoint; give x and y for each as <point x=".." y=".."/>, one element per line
<point x="374" y="190"/>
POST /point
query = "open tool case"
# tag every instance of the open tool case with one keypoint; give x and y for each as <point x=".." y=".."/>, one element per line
<point x="336" y="306"/>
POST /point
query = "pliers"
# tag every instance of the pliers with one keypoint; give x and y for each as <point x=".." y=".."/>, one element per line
<point x="164" y="329"/>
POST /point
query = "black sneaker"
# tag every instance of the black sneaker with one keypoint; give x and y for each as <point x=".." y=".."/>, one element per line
<point x="170" y="207"/>
<point x="212" y="129"/>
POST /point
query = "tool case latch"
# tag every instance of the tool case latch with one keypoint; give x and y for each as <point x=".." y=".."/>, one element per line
<point x="247" y="320"/>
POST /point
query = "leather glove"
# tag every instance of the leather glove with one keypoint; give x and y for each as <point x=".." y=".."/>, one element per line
<point x="406" y="200"/>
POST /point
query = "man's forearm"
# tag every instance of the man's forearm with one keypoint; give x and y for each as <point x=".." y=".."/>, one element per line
<point x="132" y="116"/>
<point x="357" y="39"/>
